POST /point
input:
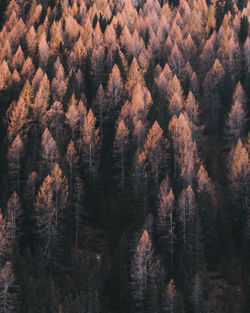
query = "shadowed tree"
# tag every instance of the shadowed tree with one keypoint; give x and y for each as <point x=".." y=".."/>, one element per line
<point x="90" y="145"/>
<point x="50" y="205"/>
<point x="8" y="292"/>
<point x="120" y="150"/>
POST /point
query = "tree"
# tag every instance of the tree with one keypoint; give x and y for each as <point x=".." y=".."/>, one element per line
<point x="155" y="152"/>
<point x="100" y="106"/>
<point x="73" y="165"/>
<point x="49" y="151"/>
<point x="5" y="75"/>
<point x="79" y="210"/>
<point x="135" y="76"/>
<point x="187" y="207"/>
<point x="166" y="222"/>
<point x="206" y="203"/>
<point x="72" y="117"/>
<point x="41" y="102"/>
<point x="8" y="293"/>
<point x="31" y="40"/>
<point x="120" y="150"/>
<point x="28" y="69"/>
<point x="14" y="215"/>
<point x="54" y="120"/>
<point x="140" y="266"/>
<point x="236" y="122"/>
<point x="43" y="50"/>
<point x="113" y="93"/>
<point x="90" y="145"/>
<point x="50" y="205"/>
<point x="18" y="59"/>
<point x="59" y="84"/>
<point x="238" y="165"/>
<point x="55" y="37"/>
<point x="185" y="151"/>
<point x="18" y="123"/>
<point x="212" y="86"/>
<point x="15" y="155"/>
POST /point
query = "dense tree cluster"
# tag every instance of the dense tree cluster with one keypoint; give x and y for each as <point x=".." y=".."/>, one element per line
<point x="124" y="156"/>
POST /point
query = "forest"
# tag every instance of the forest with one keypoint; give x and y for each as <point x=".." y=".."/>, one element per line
<point x="124" y="156"/>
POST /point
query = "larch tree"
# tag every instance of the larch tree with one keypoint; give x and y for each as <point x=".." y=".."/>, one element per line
<point x="41" y="102"/>
<point x="236" y="123"/>
<point x="166" y="222"/>
<point x="51" y="202"/>
<point x="19" y="122"/>
<point x="139" y="273"/>
<point x="191" y="106"/>
<point x="113" y="93"/>
<point x="192" y="256"/>
<point x="5" y="75"/>
<point x="139" y="135"/>
<point x="99" y="106"/>
<point x="187" y="208"/>
<point x="212" y="87"/>
<point x="155" y="151"/>
<point x="120" y="150"/>
<point x="5" y="248"/>
<point x="135" y="76"/>
<point x="49" y="151"/>
<point x="31" y="40"/>
<point x="72" y="117"/>
<point x="15" y="154"/>
<point x="238" y="165"/>
<point x="18" y="59"/>
<point x="54" y="121"/>
<point x="175" y="105"/>
<point x="59" y="84"/>
<point x="8" y="292"/>
<point x="90" y="145"/>
<point x="14" y="215"/>
<point x="185" y="151"/>
<point x="97" y="66"/>
<point x="43" y="50"/>
<point x="73" y="166"/>
<point x="79" y="211"/>
<point x="37" y="79"/>
<point x="207" y="213"/>
<point x="28" y="69"/>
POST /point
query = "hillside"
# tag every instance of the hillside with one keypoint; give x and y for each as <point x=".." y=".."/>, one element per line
<point x="124" y="156"/>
